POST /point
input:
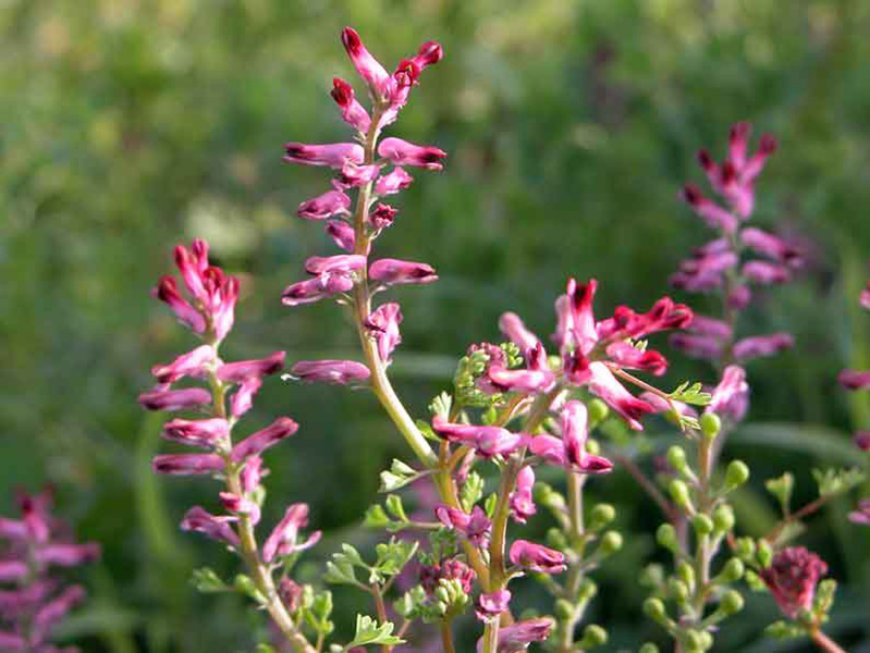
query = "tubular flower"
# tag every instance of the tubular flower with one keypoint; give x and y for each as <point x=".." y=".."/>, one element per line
<point x="792" y="578"/>
<point x="36" y="602"/>
<point x="730" y="399"/>
<point x="383" y="325"/>
<point x="330" y="371"/>
<point x="475" y="527"/>
<point x="332" y="155"/>
<point x="402" y="153"/>
<point x="391" y="271"/>
<point x="536" y="557"/>
<point x="518" y="636"/>
<point x="331" y="203"/>
<point x="522" y="503"/>
<point x="491" y="605"/>
<point x="487" y="441"/>
<point x="284" y="539"/>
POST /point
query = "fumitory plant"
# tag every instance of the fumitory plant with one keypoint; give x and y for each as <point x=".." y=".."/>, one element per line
<point x="518" y="406"/>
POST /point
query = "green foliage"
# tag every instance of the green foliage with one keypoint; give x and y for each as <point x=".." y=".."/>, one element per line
<point x="691" y="393"/>
<point x="832" y="482"/>
<point x="316" y="611"/>
<point x="398" y="476"/>
<point x="370" y="633"/>
<point x="472" y="491"/>
<point x="391" y="558"/>
<point x="207" y="581"/>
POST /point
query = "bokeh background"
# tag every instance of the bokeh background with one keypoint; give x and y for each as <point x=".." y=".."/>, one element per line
<point x="130" y="125"/>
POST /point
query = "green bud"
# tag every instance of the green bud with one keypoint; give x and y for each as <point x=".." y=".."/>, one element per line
<point x="442" y="594"/>
<point x="556" y="539"/>
<point x="246" y="585"/>
<point x="652" y="575"/>
<point x="546" y="496"/>
<point x="745" y="548"/>
<point x="680" y="494"/>
<point x="736" y="475"/>
<point x="754" y="581"/>
<point x="678" y="589"/>
<point x="731" y="603"/>
<point x="686" y="573"/>
<point x="710" y="425"/>
<point x="598" y="412"/>
<point x="593" y="447"/>
<point x="702" y="524"/>
<point x="593" y="635"/>
<point x="694" y="641"/>
<point x="588" y="589"/>
<point x="602" y="514"/>
<point x="677" y="458"/>
<point x="781" y="488"/>
<point x="611" y="542"/>
<point x="563" y="610"/>
<point x="732" y="571"/>
<point x="723" y="518"/>
<point x="666" y="536"/>
<point x="655" y="610"/>
<point x="706" y="640"/>
<point x="648" y="648"/>
<point x="765" y="553"/>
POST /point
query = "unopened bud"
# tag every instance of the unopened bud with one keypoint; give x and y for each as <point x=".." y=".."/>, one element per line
<point x="702" y="524"/>
<point x="611" y="542"/>
<point x="556" y="539"/>
<point x="598" y="412"/>
<point x="731" y="603"/>
<point x="736" y="475"/>
<point x="677" y="458"/>
<point x="666" y="536"/>
<point x="655" y="610"/>
<point x="745" y="548"/>
<point x="563" y="610"/>
<point x="710" y="425"/>
<point x="593" y="635"/>
<point x="686" y="573"/>
<point x="648" y="648"/>
<point x="678" y="589"/>
<point x="732" y="571"/>
<point x="680" y="494"/>
<point x="723" y="518"/>
<point x="602" y="514"/>
<point x="765" y="553"/>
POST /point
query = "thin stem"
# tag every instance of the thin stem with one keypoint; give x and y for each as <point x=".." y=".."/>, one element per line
<point x="647" y="486"/>
<point x="381" y="610"/>
<point x="447" y="637"/>
<point x="824" y="642"/>
<point x="807" y="510"/>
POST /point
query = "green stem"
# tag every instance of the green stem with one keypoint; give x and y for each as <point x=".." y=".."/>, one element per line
<point x="447" y="637"/>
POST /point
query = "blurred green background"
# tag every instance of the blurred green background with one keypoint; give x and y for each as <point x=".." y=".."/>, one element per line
<point x="130" y="125"/>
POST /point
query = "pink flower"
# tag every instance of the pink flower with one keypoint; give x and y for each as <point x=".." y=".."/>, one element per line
<point x="312" y="290"/>
<point x="53" y="612"/>
<point x="211" y="433"/>
<point x="709" y="326"/>
<point x="854" y="379"/>
<point x="342" y="234"/>
<point x="330" y="371"/>
<point x="513" y="328"/>
<point x="252" y="474"/>
<point x="862" y="514"/>
<point x="340" y="264"/>
<point x="67" y="554"/>
<point x="757" y="346"/>
<point x="772" y="246"/>
<point x="629" y="357"/>
<point x="574" y="425"/>
<point x="476" y="526"/>
<point x="522" y="503"/>
<point x="765" y="273"/>
<point x="12" y="570"/>
<point x="605" y="385"/>
<point x="449" y="569"/>
<point x="283" y="540"/>
<point x="354" y="175"/>
<point x="187" y="464"/>
<point x="162" y="399"/>
<point x="167" y="291"/>
<point x="575" y="319"/>
<point x="383" y="326"/>
<point x="332" y="202"/>
<point x="352" y="111"/>
<point x="382" y="216"/>
<point x="730" y="399"/>
<point x="516" y="637"/>
<point x="862" y="440"/>
<point x="739" y="298"/>
<point x="536" y="557"/>
<point x="490" y="606"/>
<point x="334" y="155"/>
<point x="243" y="399"/>
<point x="375" y="75"/>
<point x="193" y="364"/>
<point x="865" y="297"/>
<point x="241" y="505"/>
<point x="697" y="346"/>
<point x="214" y="527"/>
<point x="525" y="381"/>
<point x="391" y="271"/>
<point x="239" y="371"/>
<point x="487" y="441"/>
<point x="402" y="153"/>
<point x="255" y="444"/>
<point x="393" y="182"/>
<point x="714" y="215"/>
<point x="792" y="578"/>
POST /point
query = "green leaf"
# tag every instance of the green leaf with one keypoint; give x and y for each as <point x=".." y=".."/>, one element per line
<point x="369" y="632"/>
<point x="472" y="491"/>
<point x="395" y="507"/>
<point x="784" y="630"/>
<point x="207" y="581"/>
<point x="392" y="557"/>
<point x="440" y="406"/>
<point x="837" y="481"/>
<point x="246" y="585"/>
<point x="489" y="504"/>
<point x="376" y="517"/>
<point x="398" y="476"/>
<point x="691" y="393"/>
<point x="781" y="488"/>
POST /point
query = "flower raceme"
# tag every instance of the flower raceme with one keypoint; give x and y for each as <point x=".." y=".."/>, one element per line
<point x="792" y="578"/>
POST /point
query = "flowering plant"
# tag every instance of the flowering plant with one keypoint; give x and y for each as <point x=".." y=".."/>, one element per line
<point x="518" y="409"/>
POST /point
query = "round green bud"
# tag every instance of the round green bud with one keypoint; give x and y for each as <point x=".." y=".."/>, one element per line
<point x="598" y="411"/>
<point x="556" y="539"/>
<point x="611" y="542"/>
<point x="736" y="474"/>
<point x="686" y="573"/>
<point x="677" y="458"/>
<point x="593" y="447"/>
<point x="648" y="648"/>
<point x="731" y="603"/>
<point x="655" y="609"/>
<point x="442" y="594"/>
<point x="666" y="536"/>
<point x="732" y="571"/>
<point x="679" y="590"/>
<point x="680" y="494"/>
<point x="601" y="515"/>
<point x="710" y="425"/>
<point x="702" y="524"/>
<point x="694" y="641"/>
<point x="588" y="589"/>
<point x="745" y="548"/>
<point x="594" y="635"/>
<point x="652" y="575"/>
<point x="723" y="518"/>
<point x="706" y="640"/>
<point x="563" y="610"/>
<point x="546" y="496"/>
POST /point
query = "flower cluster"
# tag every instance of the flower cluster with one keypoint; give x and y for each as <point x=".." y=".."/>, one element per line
<point x="35" y="601"/>
<point x="792" y="577"/>
<point x="219" y="394"/>
<point x="720" y="265"/>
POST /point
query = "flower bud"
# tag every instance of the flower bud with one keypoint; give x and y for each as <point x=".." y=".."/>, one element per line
<point x="593" y="635"/>
<point x="666" y="536"/>
<point x="587" y="591"/>
<point x="711" y="424"/>
<point x="723" y="518"/>
<point x="686" y="573"/>
<point x="731" y="572"/>
<point x="702" y="524"/>
<point x="745" y="548"/>
<point x="765" y="553"/>
<point x="677" y="458"/>
<point x="598" y="412"/>
<point x="655" y="610"/>
<point x="680" y="494"/>
<point x="611" y="542"/>
<point x="556" y="539"/>
<point x="679" y="590"/>
<point x="648" y="648"/>
<point x="602" y="514"/>
<point x="731" y="603"/>
<point x="736" y="475"/>
<point x="563" y="610"/>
